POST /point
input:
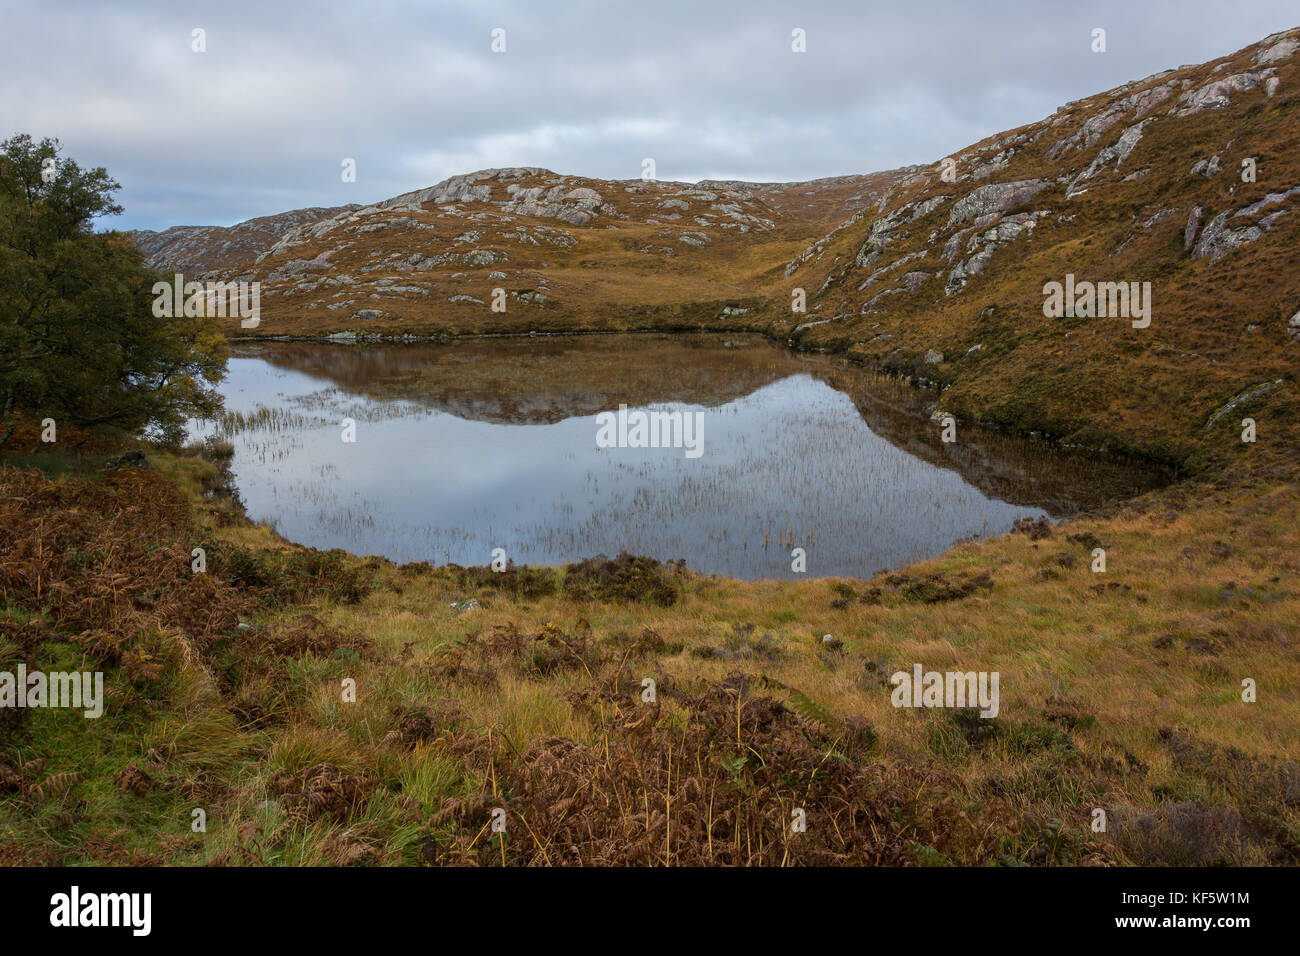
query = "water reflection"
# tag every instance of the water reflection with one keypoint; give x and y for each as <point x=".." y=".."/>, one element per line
<point x="472" y="446"/>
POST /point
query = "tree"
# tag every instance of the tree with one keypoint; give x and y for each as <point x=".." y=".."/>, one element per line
<point x="78" y="338"/>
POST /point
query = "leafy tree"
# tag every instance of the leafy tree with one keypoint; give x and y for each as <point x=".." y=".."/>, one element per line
<point x="78" y="339"/>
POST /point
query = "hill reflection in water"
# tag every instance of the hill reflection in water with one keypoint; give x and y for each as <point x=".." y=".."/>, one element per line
<point x="471" y="446"/>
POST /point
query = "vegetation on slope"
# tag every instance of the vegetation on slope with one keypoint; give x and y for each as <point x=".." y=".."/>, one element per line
<point x="523" y="691"/>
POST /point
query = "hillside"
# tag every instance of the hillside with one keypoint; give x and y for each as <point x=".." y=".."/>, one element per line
<point x="946" y="280"/>
<point x="200" y="251"/>
<point x="561" y="247"/>
<point x="940" y="281"/>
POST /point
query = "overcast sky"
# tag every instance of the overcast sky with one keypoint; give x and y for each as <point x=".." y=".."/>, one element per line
<point x="262" y="121"/>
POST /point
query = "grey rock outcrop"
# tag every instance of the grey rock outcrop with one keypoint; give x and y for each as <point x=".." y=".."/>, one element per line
<point x="1249" y="395"/>
<point x="995" y="197"/>
<point x="1220" y="237"/>
<point x="982" y="245"/>
<point x="1216" y="94"/>
<point x="1217" y="240"/>
<point x="1209" y="168"/>
<point x="1089" y="134"/>
<point x="1279" y="51"/>
<point x="1117" y="153"/>
<point x="199" y="250"/>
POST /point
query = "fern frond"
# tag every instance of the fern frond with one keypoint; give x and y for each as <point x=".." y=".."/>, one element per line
<point x="805" y="706"/>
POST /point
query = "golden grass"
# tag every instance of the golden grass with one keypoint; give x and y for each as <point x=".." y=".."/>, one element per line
<point x="1127" y="698"/>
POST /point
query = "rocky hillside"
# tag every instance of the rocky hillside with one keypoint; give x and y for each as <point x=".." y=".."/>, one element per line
<point x="1187" y="180"/>
<point x="429" y="261"/>
<point x="200" y="251"/>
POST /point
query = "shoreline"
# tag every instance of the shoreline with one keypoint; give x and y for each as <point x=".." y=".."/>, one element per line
<point x="1178" y="470"/>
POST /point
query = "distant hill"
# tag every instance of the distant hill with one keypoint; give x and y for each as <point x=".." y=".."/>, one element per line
<point x="428" y="260"/>
<point x="197" y="250"/>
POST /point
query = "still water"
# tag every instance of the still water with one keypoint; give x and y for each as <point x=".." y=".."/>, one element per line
<point x="464" y="448"/>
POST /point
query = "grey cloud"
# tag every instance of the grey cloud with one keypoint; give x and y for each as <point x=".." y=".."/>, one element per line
<point x="261" y="121"/>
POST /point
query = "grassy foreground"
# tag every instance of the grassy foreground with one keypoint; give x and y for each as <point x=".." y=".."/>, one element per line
<point x="226" y="694"/>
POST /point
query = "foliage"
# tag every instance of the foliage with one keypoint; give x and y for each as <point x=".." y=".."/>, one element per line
<point x="78" y="339"/>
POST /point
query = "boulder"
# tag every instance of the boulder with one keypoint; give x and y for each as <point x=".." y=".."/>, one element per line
<point x="1207" y="167"/>
<point x="128" y="459"/>
<point x="1193" y="227"/>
